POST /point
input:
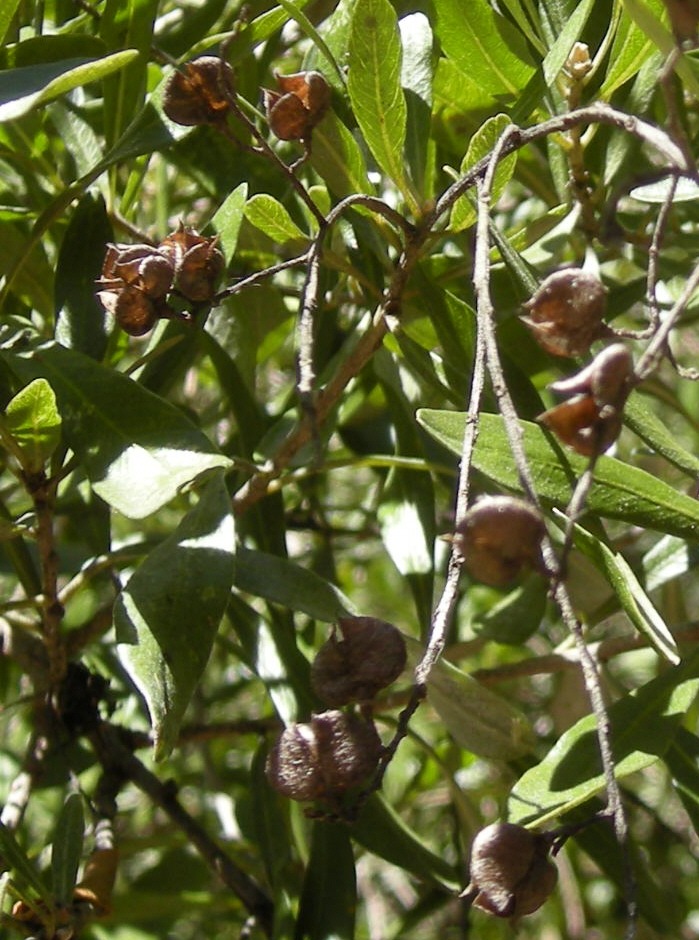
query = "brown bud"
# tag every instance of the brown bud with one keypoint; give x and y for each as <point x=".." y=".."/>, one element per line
<point x="198" y="263"/>
<point x="370" y="655"/>
<point x="591" y="420"/>
<point x="198" y="95"/>
<point x="97" y="883"/>
<point x="511" y="870"/>
<point x="294" y="111"/>
<point x="323" y="758"/>
<point x="684" y="19"/>
<point x="565" y="314"/>
<point x="500" y="536"/>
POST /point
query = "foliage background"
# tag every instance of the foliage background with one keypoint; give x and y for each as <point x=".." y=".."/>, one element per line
<point x="151" y="443"/>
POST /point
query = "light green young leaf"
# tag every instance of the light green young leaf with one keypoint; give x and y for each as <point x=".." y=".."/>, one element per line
<point x="137" y="449"/>
<point x="484" y="45"/>
<point x="271" y="217"/>
<point x="620" y="491"/>
<point x="482" y="143"/>
<point x="7" y="11"/>
<point x="633" y="599"/>
<point x="227" y="220"/>
<point x="25" y="88"/>
<point x="66" y="848"/>
<point x="167" y="616"/>
<point x="643" y="726"/>
<point x="374" y="86"/>
<point x="35" y="424"/>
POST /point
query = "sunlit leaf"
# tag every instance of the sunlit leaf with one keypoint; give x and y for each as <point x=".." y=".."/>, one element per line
<point x="272" y="218"/>
<point x="35" y="424"/>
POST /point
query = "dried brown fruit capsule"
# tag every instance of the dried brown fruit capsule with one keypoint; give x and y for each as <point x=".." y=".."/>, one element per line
<point x="565" y="314"/>
<point x="323" y="758"/>
<point x="198" y="95"/>
<point x="294" y="111"/>
<point x="511" y="870"/>
<point x="198" y="263"/>
<point x="370" y="655"/>
<point x="591" y="420"/>
<point x="500" y="536"/>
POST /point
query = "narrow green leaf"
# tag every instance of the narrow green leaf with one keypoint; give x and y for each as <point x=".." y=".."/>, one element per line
<point x="643" y="725"/>
<point x="35" y="424"/>
<point x="668" y="559"/>
<point x="81" y="319"/>
<point x="560" y="50"/>
<point x="517" y="616"/>
<point x="329" y="898"/>
<point x="482" y="143"/>
<point x="228" y="219"/>
<point x="416" y="78"/>
<point x="167" y="616"/>
<point x="647" y="13"/>
<point x="271" y="217"/>
<point x="294" y="9"/>
<point x="633" y="599"/>
<point x="630" y="49"/>
<point x="380" y="830"/>
<point x="7" y="11"/>
<point x="337" y="159"/>
<point x="644" y="422"/>
<point x="66" y="848"/>
<point x="16" y="859"/>
<point x="138" y="450"/>
<point x="374" y="85"/>
<point x="268" y="819"/>
<point x="682" y="759"/>
<point x="484" y="45"/>
<point x="284" y="582"/>
<point x="26" y="88"/>
<point x="477" y="719"/>
<point x="620" y="491"/>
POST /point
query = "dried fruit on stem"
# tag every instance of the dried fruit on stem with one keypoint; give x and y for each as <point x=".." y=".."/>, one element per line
<point x="511" y="870"/>
<point x="369" y="656"/>
<point x="325" y="757"/>
<point x="294" y="111"/>
<point x="499" y="537"/>
<point x="199" y="95"/>
<point x="590" y="421"/>
<point x="198" y="263"/>
<point x="565" y="314"/>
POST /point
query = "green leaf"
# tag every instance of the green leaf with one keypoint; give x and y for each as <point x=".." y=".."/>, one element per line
<point x="380" y="830"/>
<point x="329" y="898"/>
<point x="560" y="50"/>
<point x="517" y="616"/>
<point x="81" y="319"/>
<point x="487" y="48"/>
<point x="644" y="422"/>
<point x="647" y="13"/>
<point x="14" y="857"/>
<point x="269" y="820"/>
<point x="338" y="160"/>
<point x="7" y="11"/>
<point x="477" y="719"/>
<point x="682" y="759"/>
<point x="633" y="599"/>
<point x="643" y="725"/>
<point x="35" y="424"/>
<point x="271" y="217"/>
<point x="374" y="86"/>
<point x="26" y="88"/>
<point x="630" y="50"/>
<point x="482" y="143"/>
<point x="416" y="78"/>
<point x="138" y="450"/>
<point x="167" y="616"/>
<point x="66" y="848"/>
<point x="284" y="582"/>
<point x="619" y="491"/>
<point x="228" y="219"/>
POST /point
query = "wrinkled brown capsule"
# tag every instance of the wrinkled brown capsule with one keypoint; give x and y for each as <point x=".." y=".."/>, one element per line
<point x="591" y="420"/>
<point x="565" y="314"/>
<point x="294" y="111"/>
<point x="198" y="263"/>
<point x="500" y="536"/>
<point x="198" y="94"/>
<point x="369" y="656"/>
<point x="511" y="870"/>
<point x="323" y="758"/>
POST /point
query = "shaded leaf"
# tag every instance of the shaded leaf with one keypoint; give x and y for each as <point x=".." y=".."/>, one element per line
<point x="682" y="759"/>
<point x="167" y="616"/>
<point x="643" y="724"/>
<point x="620" y="491"/>
<point x="14" y="857"/>
<point x="66" y="848"/>
<point x="329" y="897"/>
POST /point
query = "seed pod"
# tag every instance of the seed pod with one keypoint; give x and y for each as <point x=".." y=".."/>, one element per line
<point x="198" y="263"/>
<point x="323" y="758"/>
<point x="293" y="112"/>
<point x="140" y="265"/>
<point x="511" y="870"/>
<point x="565" y="314"/>
<point x="198" y="94"/>
<point x="135" y="312"/>
<point x="370" y="655"/>
<point x="500" y="536"/>
<point x="591" y="420"/>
